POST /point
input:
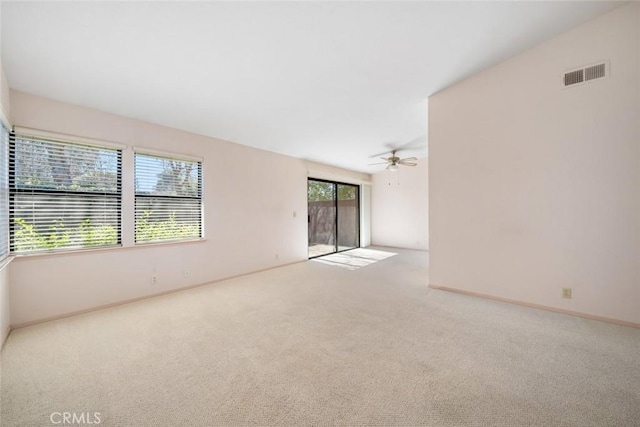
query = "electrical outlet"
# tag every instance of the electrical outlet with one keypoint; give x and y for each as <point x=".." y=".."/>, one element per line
<point x="566" y="293"/>
<point x="154" y="280"/>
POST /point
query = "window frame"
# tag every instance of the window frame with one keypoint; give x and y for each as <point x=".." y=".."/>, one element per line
<point x="23" y="134"/>
<point x="5" y="135"/>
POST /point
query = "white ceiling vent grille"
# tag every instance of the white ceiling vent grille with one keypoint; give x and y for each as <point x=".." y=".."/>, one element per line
<point x="585" y="74"/>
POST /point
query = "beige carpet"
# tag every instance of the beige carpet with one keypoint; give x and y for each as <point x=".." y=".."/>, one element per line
<point x="318" y="344"/>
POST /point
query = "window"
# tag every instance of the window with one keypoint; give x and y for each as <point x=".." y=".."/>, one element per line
<point x="63" y="195"/>
<point x="168" y="199"/>
<point x="4" y="190"/>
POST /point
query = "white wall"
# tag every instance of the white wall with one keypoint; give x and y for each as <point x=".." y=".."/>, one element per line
<point x="534" y="187"/>
<point x="5" y="104"/>
<point x="400" y="213"/>
<point x="250" y="197"/>
<point x="5" y="311"/>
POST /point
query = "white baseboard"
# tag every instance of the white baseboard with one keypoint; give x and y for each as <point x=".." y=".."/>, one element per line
<point x="538" y="306"/>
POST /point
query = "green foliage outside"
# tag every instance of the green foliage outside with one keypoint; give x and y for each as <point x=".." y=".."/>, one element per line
<point x="28" y="238"/>
<point x="59" y="235"/>
<point x="318" y="191"/>
<point x="150" y="231"/>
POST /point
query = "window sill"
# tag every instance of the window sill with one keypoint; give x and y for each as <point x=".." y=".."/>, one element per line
<point x="166" y="243"/>
<point x="26" y="256"/>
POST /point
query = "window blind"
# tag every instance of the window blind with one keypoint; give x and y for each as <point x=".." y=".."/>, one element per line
<point x="4" y="190"/>
<point x="62" y="195"/>
<point x="168" y="198"/>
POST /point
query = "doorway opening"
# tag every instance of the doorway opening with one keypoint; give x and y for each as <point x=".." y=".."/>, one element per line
<point x="333" y="217"/>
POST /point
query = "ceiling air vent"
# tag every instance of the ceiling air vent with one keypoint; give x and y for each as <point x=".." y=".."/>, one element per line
<point x="585" y="74"/>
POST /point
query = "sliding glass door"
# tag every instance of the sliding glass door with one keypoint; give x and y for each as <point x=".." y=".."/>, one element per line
<point x="334" y="217"/>
<point x="348" y="217"/>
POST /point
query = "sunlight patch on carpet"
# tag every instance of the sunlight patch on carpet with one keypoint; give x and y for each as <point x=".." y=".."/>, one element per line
<point x="355" y="258"/>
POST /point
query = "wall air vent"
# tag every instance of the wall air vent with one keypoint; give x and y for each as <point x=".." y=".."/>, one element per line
<point x="594" y="72"/>
<point x="585" y="74"/>
<point x="573" y="77"/>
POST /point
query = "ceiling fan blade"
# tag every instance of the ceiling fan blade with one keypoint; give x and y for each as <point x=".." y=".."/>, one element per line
<point x="415" y="144"/>
<point x="391" y="147"/>
<point x="410" y="159"/>
<point x="405" y="163"/>
<point x="381" y="163"/>
<point x="379" y="154"/>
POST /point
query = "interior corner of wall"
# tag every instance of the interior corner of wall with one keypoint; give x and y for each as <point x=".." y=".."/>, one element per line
<point x="5" y="97"/>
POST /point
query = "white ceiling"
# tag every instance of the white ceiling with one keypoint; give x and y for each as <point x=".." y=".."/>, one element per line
<point x="334" y="82"/>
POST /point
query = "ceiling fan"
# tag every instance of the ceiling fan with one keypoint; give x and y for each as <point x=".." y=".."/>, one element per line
<point x="394" y="162"/>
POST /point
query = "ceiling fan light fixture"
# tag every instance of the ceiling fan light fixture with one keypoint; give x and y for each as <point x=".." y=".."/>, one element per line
<point x="392" y="167"/>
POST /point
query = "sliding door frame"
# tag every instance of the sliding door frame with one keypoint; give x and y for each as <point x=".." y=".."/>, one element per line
<point x="337" y="215"/>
